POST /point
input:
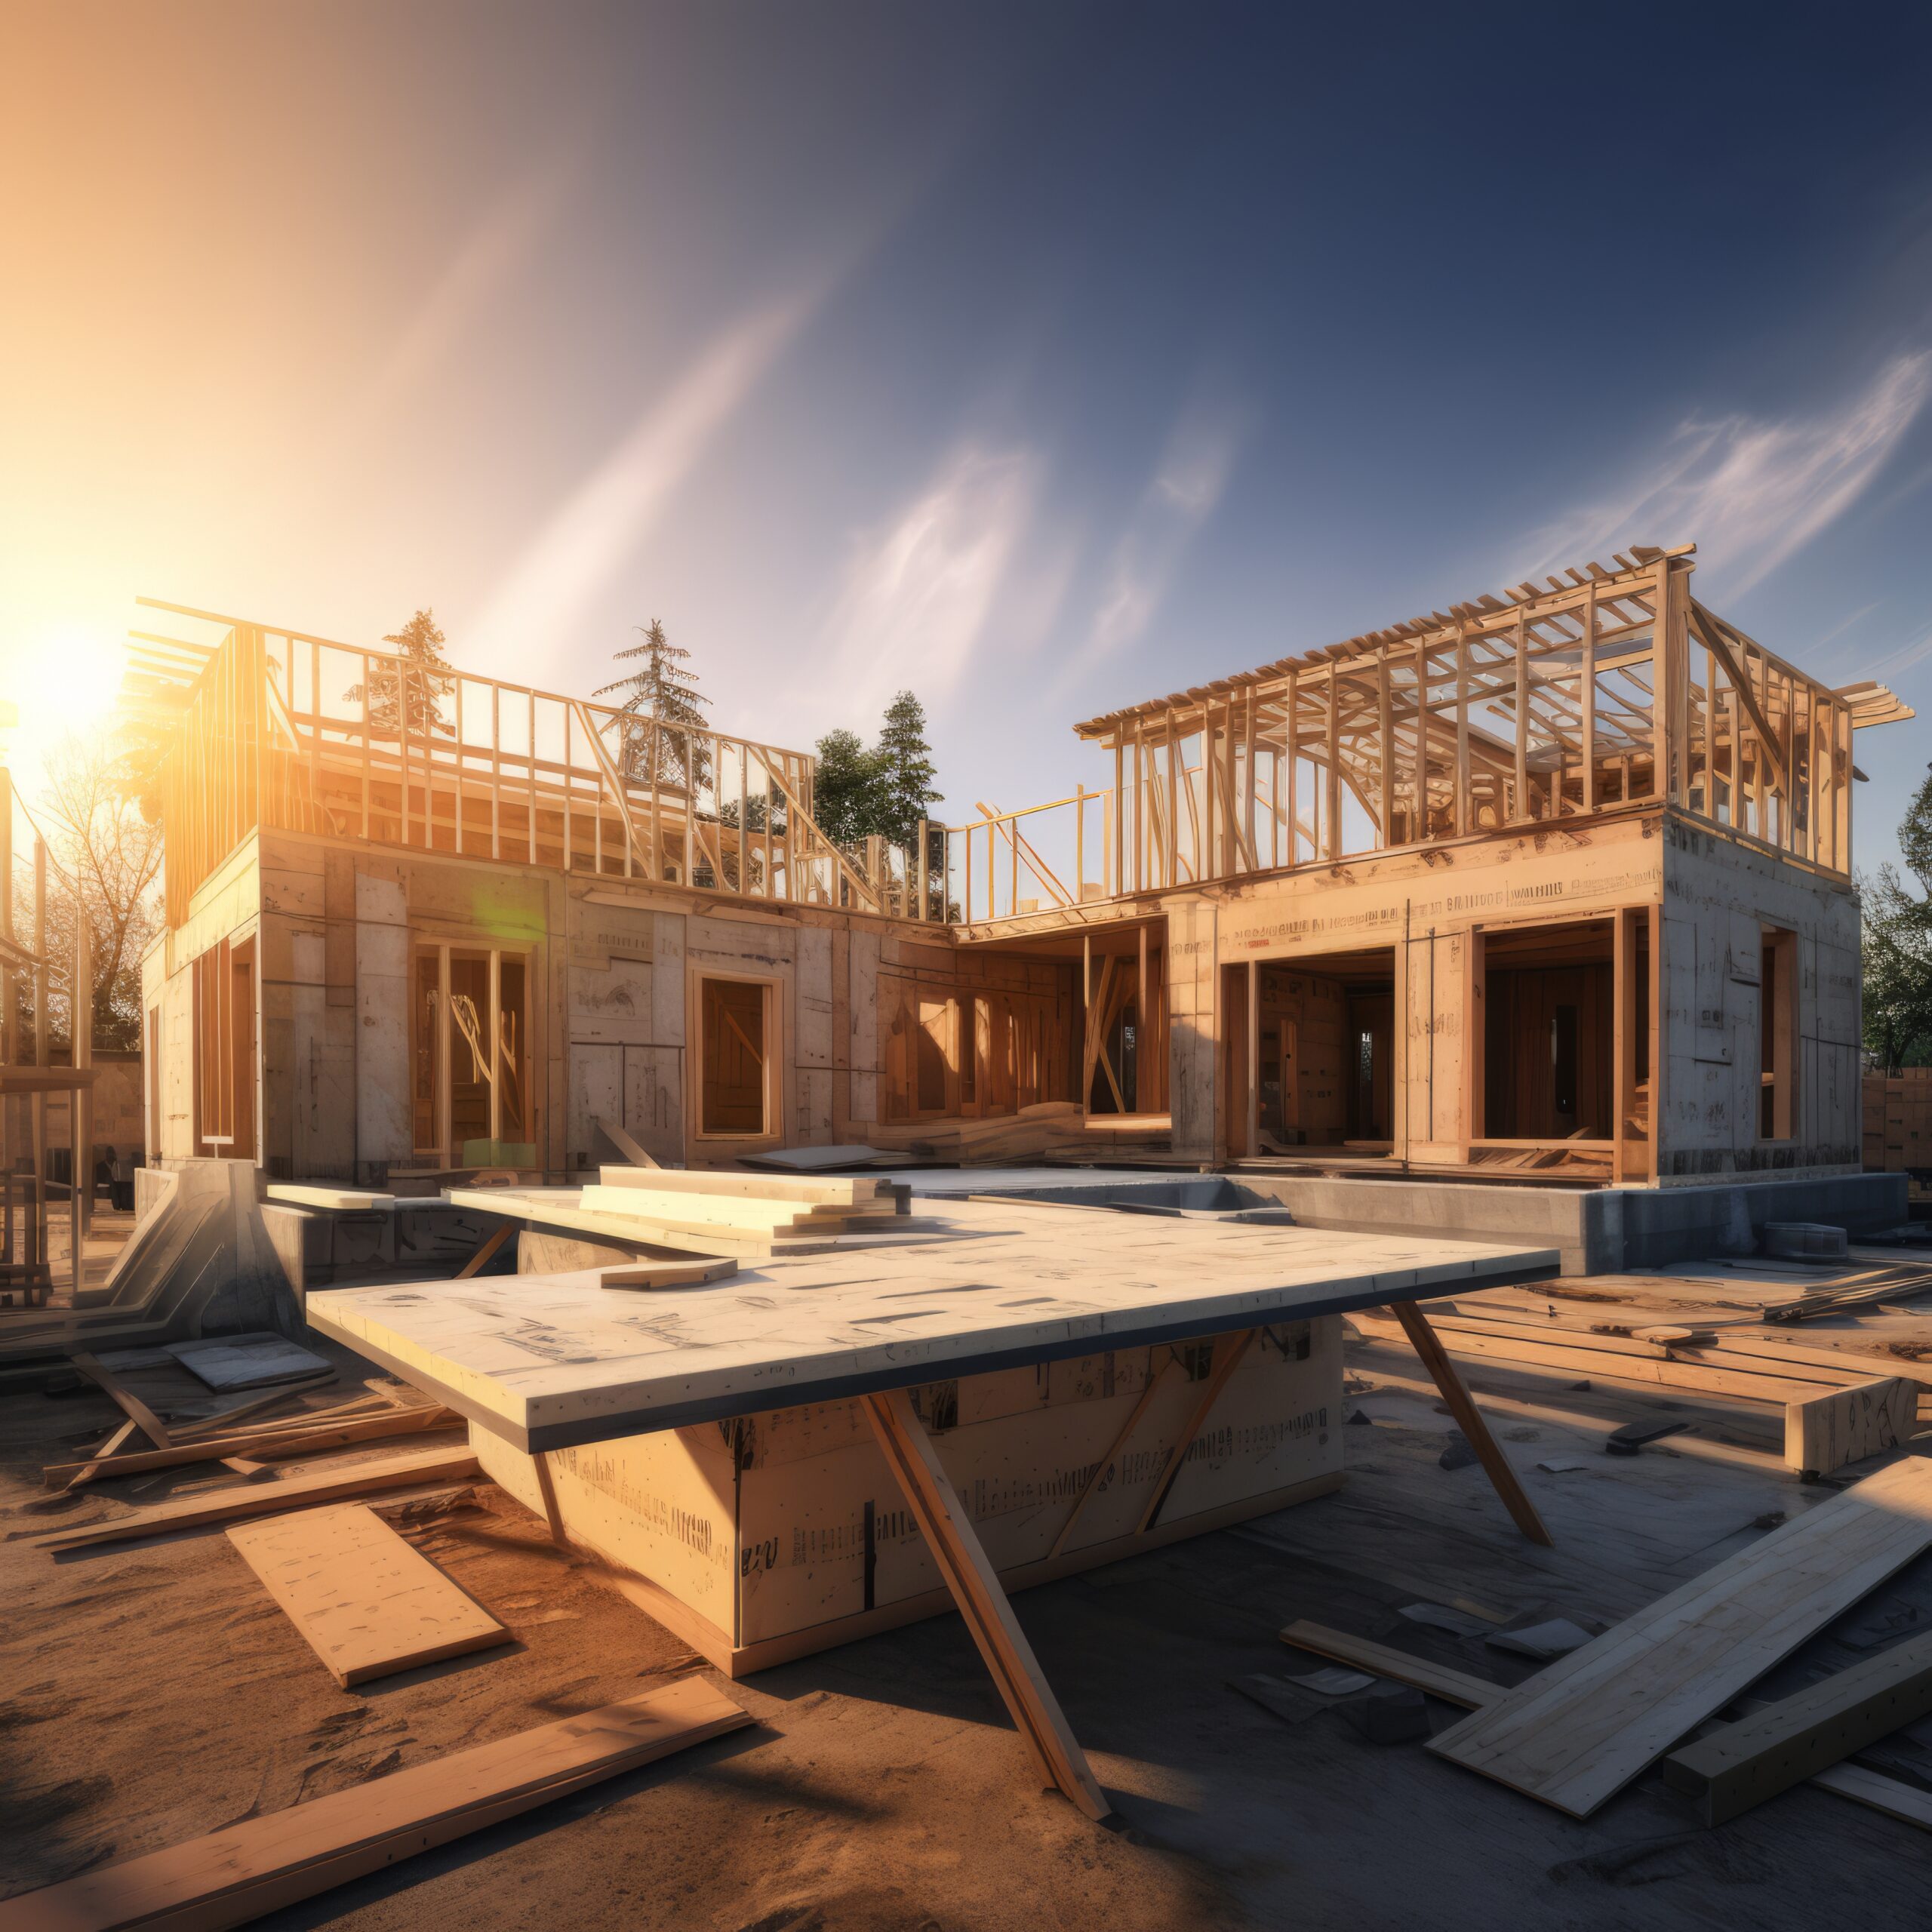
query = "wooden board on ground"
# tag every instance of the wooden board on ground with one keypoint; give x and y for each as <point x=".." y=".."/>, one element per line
<point x="550" y="1361"/>
<point x="1576" y="1733"/>
<point x="265" y="1499"/>
<point x="1781" y="1744"/>
<point x="241" y="1872"/>
<point x="265" y="1444"/>
<point x="1892" y="1796"/>
<point x="234" y="1362"/>
<point x="369" y="1603"/>
<point x="1824" y="1432"/>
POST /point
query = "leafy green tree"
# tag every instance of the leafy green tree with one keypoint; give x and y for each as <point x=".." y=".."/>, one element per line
<point x="845" y="784"/>
<point x="662" y="689"/>
<point x="1895" y="928"/>
<point x="904" y="790"/>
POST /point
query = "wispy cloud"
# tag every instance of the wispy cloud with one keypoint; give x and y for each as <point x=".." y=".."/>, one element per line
<point x="596" y="528"/>
<point x="918" y="593"/>
<point x="1751" y="493"/>
<point x="1900" y="659"/>
<point x="1183" y="493"/>
<point x="484" y="262"/>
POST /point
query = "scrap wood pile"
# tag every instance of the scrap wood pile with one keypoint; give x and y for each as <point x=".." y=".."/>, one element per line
<point x="746" y="1214"/>
<point x="369" y="1604"/>
<point x="1669" y="1683"/>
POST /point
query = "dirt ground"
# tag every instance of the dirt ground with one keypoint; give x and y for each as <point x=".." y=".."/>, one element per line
<point x="152" y="1693"/>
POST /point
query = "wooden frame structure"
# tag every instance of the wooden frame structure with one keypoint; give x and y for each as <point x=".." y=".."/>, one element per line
<point x="1540" y="707"/>
<point x="282" y="730"/>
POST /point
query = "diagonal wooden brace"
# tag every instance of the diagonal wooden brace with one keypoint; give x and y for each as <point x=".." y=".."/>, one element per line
<point x="976" y="1589"/>
<point x="1434" y="1357"/>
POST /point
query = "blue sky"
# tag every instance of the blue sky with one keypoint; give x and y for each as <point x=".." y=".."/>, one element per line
<point x="1037" y="357"/>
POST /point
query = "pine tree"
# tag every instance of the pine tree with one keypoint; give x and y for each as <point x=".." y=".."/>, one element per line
<point x="662" y="689"/>
<point x="904" y="788"/>
<point x="845" y="784"/>
<point x="1895" y="928"/>
<point x="412" y="689"/>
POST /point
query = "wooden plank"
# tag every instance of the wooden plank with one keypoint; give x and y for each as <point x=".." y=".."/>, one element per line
<point x="1896" y="1799"/>
<point x="638" y="1156"/>
<point x="1453" y="1687"/>
<point x="1575" y="1734"/>
<point x="665" y="1274"/>
<point x="976" y="1589"/>
<point x="1844" y="1426"/>
<point x="313" y="1194"/>
<point x="1781" y="1744"/>
<point x="130" y="1405"/>
<point x="485" y="1250"/>
<point x="1468" y="1419"/>
<point x="1230" y="1353"/>
<point x="800" y="1191"/>
<point x="368" y="1603"/>
<point x="271" y="1444"/>
<point x="258" y="1866"/>
<point x="266" y="1499"/>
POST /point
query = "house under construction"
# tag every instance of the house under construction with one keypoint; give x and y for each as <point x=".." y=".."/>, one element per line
<point x="1546" y="896"/>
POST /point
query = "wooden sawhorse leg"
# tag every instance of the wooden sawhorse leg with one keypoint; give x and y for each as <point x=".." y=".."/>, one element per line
<point x="1434" y="1357"/>
<point x="976" y="1589"/>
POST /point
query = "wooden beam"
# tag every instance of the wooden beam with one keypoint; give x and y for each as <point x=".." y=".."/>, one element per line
<point x="244" y="1871"/>
<point x="1229" y="1351"/>
<point x="1896" y="1799"/>
<point x="1468" y="1419"/>
<point x="477" y="1261"/>
<point x="264" y="1499"/>
<point x="131" y="1405"/>
<point x="638" y="1156"/>
<point x="1099" y="1471"/>
<point x="983" y="1603"/>
<point x="1781" y="1744"/>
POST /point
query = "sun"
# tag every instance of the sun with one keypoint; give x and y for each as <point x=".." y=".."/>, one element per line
<point x="60" y="679"/>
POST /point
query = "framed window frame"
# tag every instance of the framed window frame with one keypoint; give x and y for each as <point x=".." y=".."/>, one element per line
<point x="443" y="1153"/>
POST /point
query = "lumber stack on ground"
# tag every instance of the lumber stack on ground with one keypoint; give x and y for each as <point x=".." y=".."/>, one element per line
<point x="1839" y="1407"/>
<point x="368" y="1603"/>
<point x="1047" y="1128"/>
<point x="241" y="1872"/>
<point x="265" y="1499"/>
<point x="1574" y="1735"/>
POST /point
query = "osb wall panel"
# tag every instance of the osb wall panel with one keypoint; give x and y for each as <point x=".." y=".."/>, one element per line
<point x="1719" y="894"/>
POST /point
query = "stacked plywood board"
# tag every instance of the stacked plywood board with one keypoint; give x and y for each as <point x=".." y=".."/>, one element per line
<point x="743" y="1214"/>
<point x="1898" y="1120"/>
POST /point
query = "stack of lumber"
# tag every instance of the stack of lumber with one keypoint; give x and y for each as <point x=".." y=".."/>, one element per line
<point x="1898" y="1119"/>
<point x="1053" y="1127"/>
<point x="745" y="1214"/>
<point x="1838" y="1407"/>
